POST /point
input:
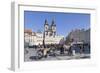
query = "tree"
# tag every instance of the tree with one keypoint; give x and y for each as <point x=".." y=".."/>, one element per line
<point x="67" y="40"/>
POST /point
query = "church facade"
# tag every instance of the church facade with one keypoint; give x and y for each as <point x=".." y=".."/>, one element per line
<point x="49" y="35"/>
<point x="50" y="30"/>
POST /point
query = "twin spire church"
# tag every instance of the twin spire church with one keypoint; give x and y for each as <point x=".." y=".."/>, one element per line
<point x="35" y="38"/>
<point x="50" y="30"/>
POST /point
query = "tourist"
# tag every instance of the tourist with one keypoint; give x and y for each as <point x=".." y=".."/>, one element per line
<point x="61" y="49"/>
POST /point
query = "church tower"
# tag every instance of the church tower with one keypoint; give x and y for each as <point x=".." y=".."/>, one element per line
<point x="50" y="31"/>
<point x="53" y="28"/>
<point x="46" y="27"/>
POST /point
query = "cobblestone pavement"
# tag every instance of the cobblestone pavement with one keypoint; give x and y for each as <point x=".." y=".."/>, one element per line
<point x="30" y="52"/>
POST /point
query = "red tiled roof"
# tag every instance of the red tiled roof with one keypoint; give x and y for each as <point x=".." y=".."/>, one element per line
<point x="29" y="31"/>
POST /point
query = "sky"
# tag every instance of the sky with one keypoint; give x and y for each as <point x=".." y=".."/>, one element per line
<point x="65" y="22"/>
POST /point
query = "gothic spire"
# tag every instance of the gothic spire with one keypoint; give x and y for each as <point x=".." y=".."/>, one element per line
<point x="46" y="22"/>
<point x="53" y="22"/>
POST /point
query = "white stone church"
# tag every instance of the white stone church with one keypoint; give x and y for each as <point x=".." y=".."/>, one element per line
<point x="49" y="35"/>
